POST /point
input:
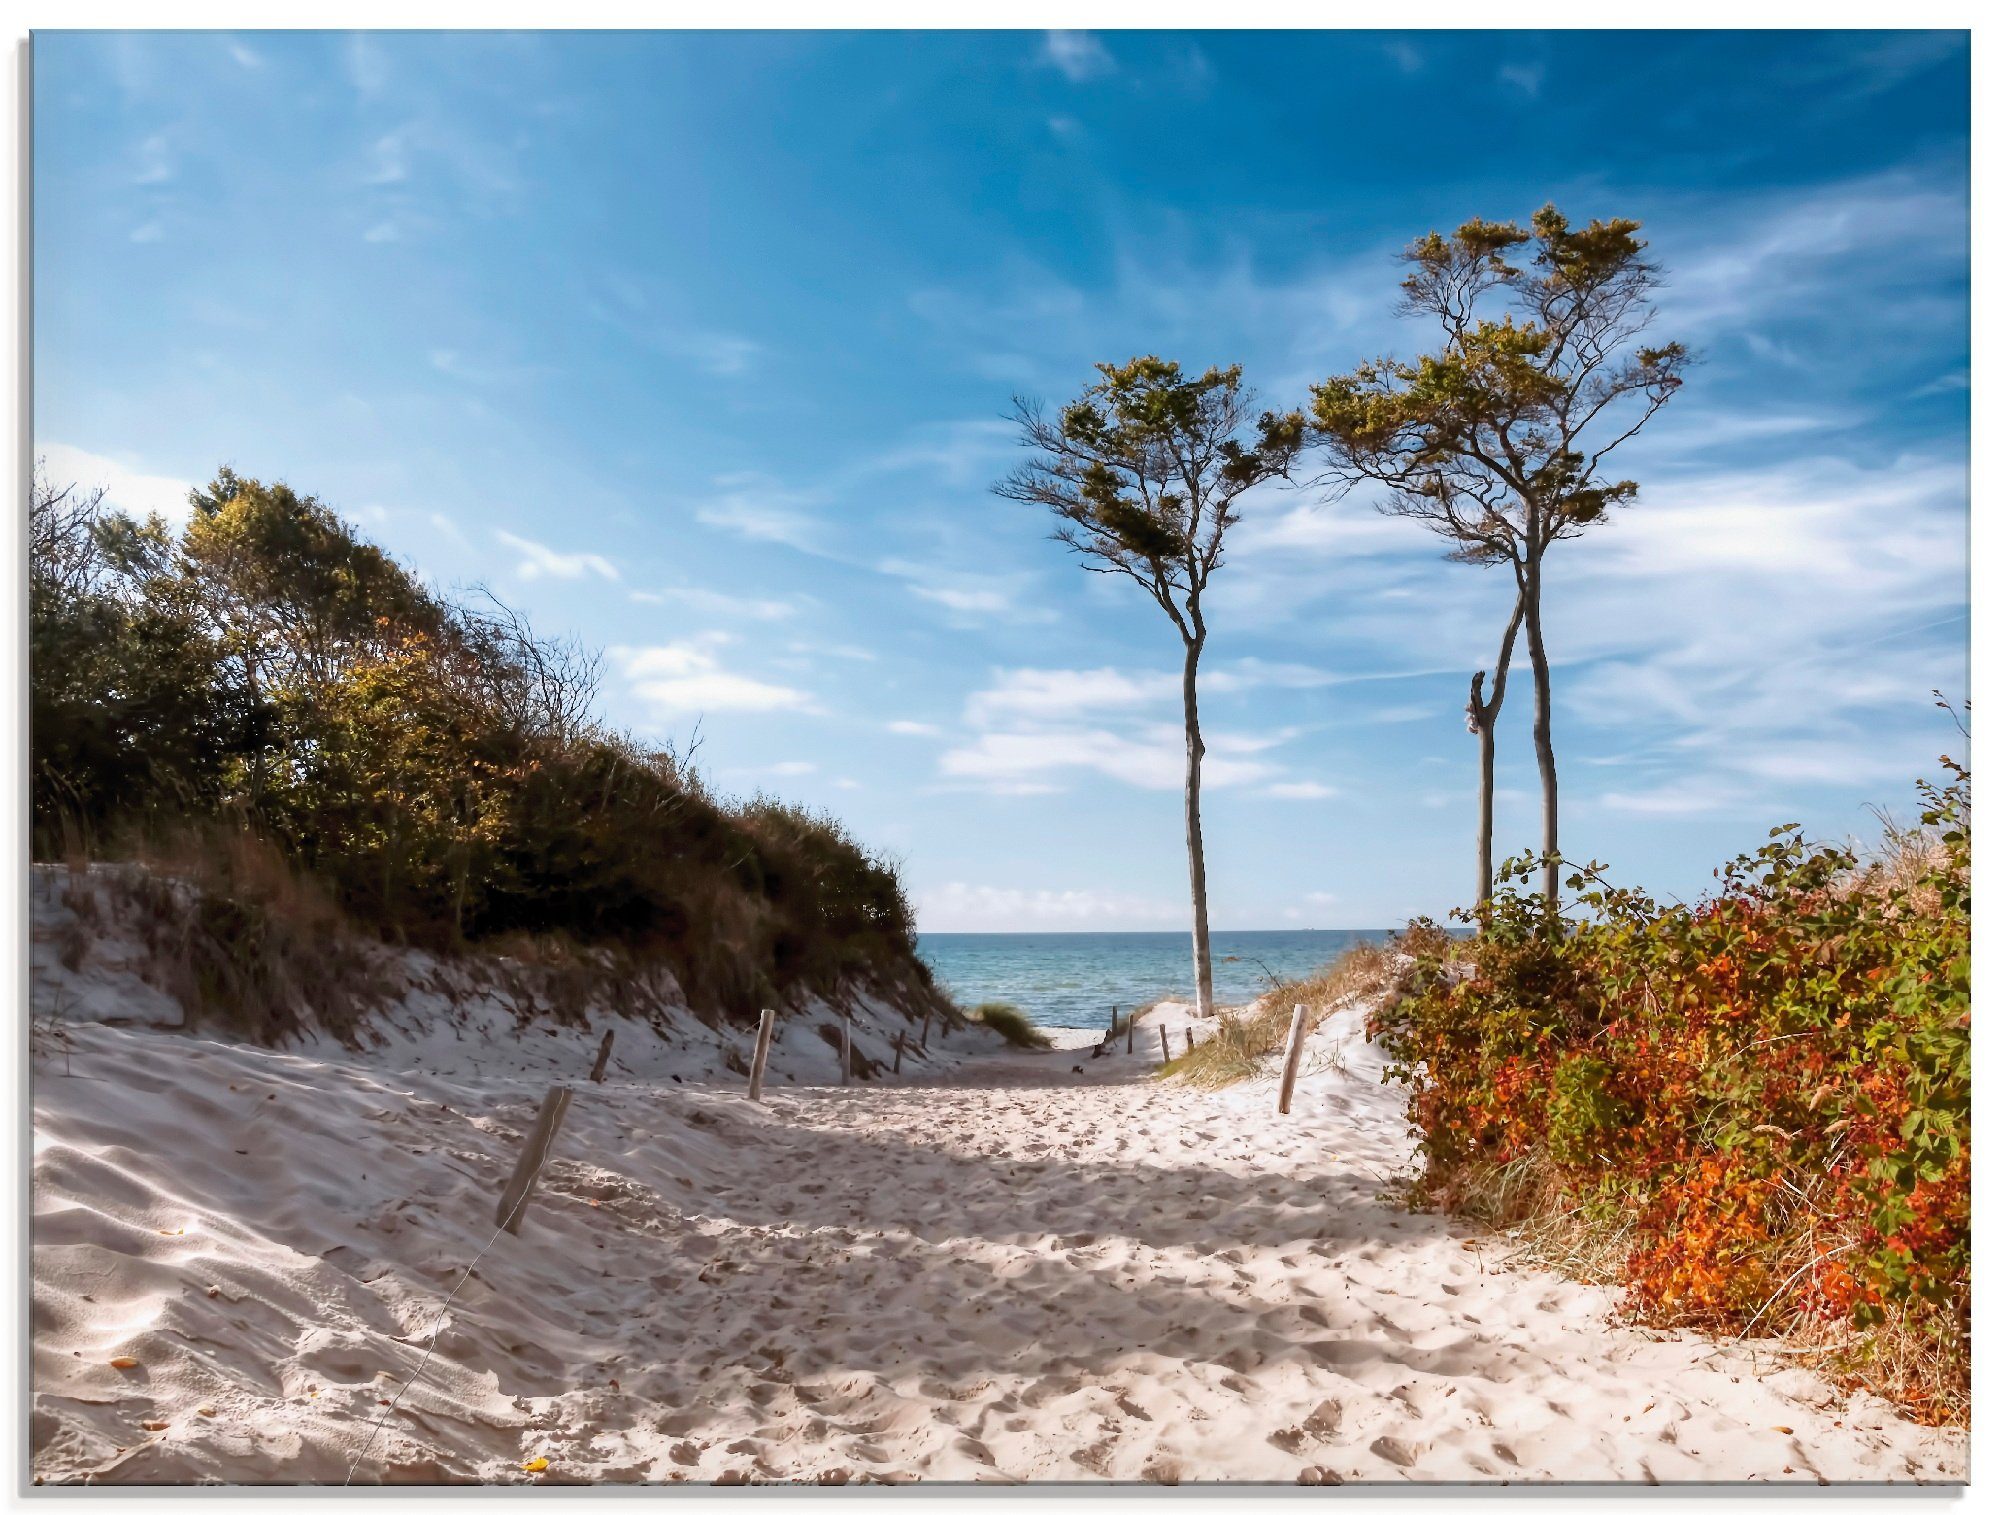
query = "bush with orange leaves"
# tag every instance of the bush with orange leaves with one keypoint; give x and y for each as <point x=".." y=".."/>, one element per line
<point x="1756" y="1109"/>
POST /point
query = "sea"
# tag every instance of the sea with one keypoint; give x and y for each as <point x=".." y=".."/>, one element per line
<point x="1081" y="978"/>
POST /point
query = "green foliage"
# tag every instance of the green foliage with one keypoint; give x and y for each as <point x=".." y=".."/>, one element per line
<point x="1143" y="468"/>
<point x="1484" y="439"/>
<point x="433" y="766"/>
<point x="1765" y="1095"/>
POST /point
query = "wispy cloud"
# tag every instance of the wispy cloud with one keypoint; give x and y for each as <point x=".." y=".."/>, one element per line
<point x="1525" y="77"/>
<point x="715" y="602"/>
<point x="760" y="509"/>
<point x="1078" y="56"/>
<point x="538" y="561"/>
<point x="958" y="906"/>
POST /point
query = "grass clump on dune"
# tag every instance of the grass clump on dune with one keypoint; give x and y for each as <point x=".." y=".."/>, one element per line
<point x="1244" y="1038"/>
<point x="1014" y="1027"/>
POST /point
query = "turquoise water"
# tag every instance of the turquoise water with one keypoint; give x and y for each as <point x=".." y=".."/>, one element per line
<point x="1076" y="978"/>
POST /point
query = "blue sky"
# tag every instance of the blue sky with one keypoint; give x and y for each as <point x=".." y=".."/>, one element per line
<point x="698" y="346"/>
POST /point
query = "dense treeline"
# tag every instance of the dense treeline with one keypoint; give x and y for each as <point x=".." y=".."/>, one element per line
<point x="1754" y="1112"/>
<point x="433" y="764"/>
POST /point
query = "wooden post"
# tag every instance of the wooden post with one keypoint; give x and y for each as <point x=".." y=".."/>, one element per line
<point x="1131" y="1025"/>
<point x="603" y="1057"/>
<point x="1294" y="1047"/>
<point x="761" y="1054"/>
<point x="528" y="1167"/>
<point x="924" y="1041"/>
<point x="846" y="1046"/>
<point x="1165" y="1055"/>
<point x="899" y="1054"/>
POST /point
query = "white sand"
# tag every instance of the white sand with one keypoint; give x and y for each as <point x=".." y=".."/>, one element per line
<point x="1004" y="1271"/>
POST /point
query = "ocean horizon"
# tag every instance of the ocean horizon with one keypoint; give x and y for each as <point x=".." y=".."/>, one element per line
<point x="1079" y="979"/>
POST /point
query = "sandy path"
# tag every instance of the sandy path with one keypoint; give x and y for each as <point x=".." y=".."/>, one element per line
<point x="1026" y="1273"/>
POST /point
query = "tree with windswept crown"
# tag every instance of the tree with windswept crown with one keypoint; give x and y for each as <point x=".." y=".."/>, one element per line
<point x="1143" y="471"/>
<point x="1498" y="440"/>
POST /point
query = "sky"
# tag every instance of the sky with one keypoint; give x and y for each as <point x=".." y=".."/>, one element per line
<point x="700" y="347"/>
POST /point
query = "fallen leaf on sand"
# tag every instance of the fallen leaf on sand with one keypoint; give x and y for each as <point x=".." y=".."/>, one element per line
<point x="152" y="1425"/>
<point x="534" y="1464"/>
<point x="124" y="1362"/>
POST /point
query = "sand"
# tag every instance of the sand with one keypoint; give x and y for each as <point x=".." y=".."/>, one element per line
<point x="1000" y="1269"/>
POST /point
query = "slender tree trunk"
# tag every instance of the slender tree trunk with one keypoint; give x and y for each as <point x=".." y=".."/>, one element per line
<point x="1483" y="726"/>
<point x="1204" y="989"/>
<point x="1483" y="715"/>
<point x="1545" y="751"/>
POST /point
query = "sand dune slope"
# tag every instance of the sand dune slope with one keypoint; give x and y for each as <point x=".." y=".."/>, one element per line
<point x="1011" y="1271"/>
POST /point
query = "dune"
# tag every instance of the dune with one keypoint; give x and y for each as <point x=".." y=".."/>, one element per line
<point x="1005" y="1267"/>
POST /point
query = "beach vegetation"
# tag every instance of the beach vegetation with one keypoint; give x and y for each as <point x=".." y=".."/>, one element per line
<point x="1012" y="1025"/>
<point x="265" y="679"/>
<point x="1244" y="1040"/>
<point x="1751" y="1112"/>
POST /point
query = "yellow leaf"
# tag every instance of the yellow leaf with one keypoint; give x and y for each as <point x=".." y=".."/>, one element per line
<point x="534" y="1464"/>
<point x="124" y="1362"/>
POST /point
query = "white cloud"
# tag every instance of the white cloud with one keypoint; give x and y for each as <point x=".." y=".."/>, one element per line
<point x="1301" y="789"/>
<point x="986" y="907"/>
<point x="687" y="678"/>
<point x="965" y="601"/>
<point x="717" y="602"/>
<point x="1077" y="55"/>
<point x="538" y="560"/>
<point x="1055" y="694"/>
<point x="125" y="486"/>
<point x="915" y="728"/>
<point x="793" y="768"/>
<point x="1027" y="761"/>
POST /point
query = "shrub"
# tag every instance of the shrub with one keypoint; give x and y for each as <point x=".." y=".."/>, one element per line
<point x="430" y="767"/>
<point x="1014" y="1027"/>
<point x="1763" y="1098"/>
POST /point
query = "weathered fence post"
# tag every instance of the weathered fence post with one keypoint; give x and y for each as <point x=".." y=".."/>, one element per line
<point x="899" y="1054"/>
<point x="1293" y="1048"/>
<point x="924" y="1041"/>
<point x="1165" y="1055"/>
<point x="846" y="1046"/>
<point x="1190" y="1040"/>
<point x="528" y="1167"/>
<point x="761" y="1053"/>
<point x="603" y="1057"/>
<point x="1131" y="1024"/>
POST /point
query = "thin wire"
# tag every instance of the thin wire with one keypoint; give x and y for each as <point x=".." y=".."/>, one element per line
<point x="437" y="1327"/>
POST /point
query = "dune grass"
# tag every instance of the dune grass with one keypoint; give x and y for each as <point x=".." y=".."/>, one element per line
<point x="1243" y="1038"/>
<point x="1014" y="1027"/>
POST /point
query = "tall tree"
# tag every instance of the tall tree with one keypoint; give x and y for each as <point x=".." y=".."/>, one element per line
<point x="1498" y="440"/>
<point x="1143" y="471"/>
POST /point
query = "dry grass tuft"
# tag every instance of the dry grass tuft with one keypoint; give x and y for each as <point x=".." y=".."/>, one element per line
<point x="1014" y="1027"/>
<point x="1244" y="1038"/>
